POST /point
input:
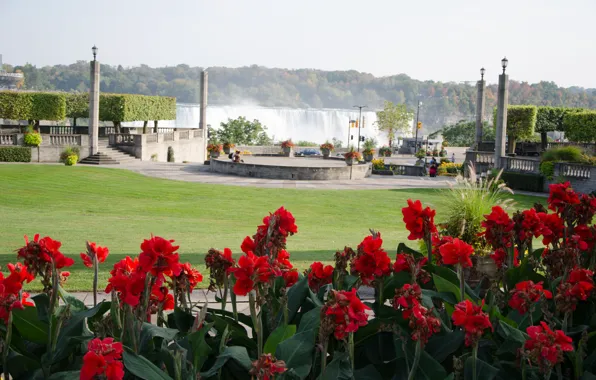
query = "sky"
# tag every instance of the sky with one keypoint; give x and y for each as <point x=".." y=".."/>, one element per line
<point x="551" y="40"/>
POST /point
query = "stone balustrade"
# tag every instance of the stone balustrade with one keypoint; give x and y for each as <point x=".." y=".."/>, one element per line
<point x="523" y="165"/>
<point x="71" y="140"/>
<point x="8" y="139"/>
<point x="187" y="145"/>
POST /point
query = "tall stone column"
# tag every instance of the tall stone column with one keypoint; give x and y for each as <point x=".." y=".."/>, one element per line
<point x="501" y="132"/>
<point x="203" y="111"/>
<point x="94" y="109"/>
<point x="481" y="85"/>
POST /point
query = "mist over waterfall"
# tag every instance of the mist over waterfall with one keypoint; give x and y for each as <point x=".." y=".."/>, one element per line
<point x="316" y="125"/>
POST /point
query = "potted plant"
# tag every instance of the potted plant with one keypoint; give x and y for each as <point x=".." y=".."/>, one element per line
<point x="32" y="137"/>
<point x="326" y="149"/>
<point x="420" y="155"/>
<point x="385" y="151"/>
<point x="443" y="153"/>
<point x="435" y="152"/>
<point x="70" y="156"/>
<point x="351" y="156"/>
<point x="287" y="147"/>
<point x="227" y="147"/>
<point x="214" y="150"/>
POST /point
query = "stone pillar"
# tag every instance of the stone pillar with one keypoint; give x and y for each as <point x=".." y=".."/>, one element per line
<point x="481" y="85"/>
<point x="94" y="109"/>
<point x="501" y="127"/>
<point x="203" y="111"/>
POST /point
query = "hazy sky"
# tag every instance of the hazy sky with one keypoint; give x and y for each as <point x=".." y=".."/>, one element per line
<point x="446" y="40"/>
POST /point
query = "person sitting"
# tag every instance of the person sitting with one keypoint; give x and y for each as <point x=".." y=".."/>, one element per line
<point x="433" y="170"/>
<point x="433" y="161"/>
<point x="237" y="157"/>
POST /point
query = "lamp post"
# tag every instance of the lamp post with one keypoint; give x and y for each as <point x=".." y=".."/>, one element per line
<point x="501" y="128"/>
<point x="417" y="114"/>
<point x="94" y="105"/>
<point x="359" y="123"/>
<point x="480" y="107"/>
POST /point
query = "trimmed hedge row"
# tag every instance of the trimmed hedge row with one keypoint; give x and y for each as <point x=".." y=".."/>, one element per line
<point x="32" y="105"/>
<point x="15" y="154"/>
<point x="123" y="107"/>
<point x="580" y="126"/>
<point x="524" y="181"/>
<point x="521" y="121"/>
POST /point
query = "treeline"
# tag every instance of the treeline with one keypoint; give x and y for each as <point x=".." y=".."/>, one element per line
<point x="443" y="103"/>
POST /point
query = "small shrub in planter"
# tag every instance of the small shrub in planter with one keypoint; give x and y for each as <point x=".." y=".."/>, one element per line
<point x="435" y="152"/>
<point x="326" y="149"/>
<point x="443" y="153"/>
<point x="69" y="152"/>
<point x="227" y="147"/>
<point x="171" y="154"/>
<point x="214" y="150"/>
<point x="352" y="156"/>
<point x="420" y="154"/>
<point x="385" y="151"/>
<point x="378" y="164"/>
<point x="71" y="160"/>
<point x="32" y="139"/>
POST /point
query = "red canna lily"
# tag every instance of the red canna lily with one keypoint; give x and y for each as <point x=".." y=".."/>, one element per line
<point x="525" y="294"/>
<point x="420" y="222"/>
<point x="472" y="319"/>
<point x="457" y="252"/>
<point x="545" y="347"/>
<point x="94" y="250"/>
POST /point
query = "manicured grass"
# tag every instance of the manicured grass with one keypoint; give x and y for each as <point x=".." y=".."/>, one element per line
<point x="119" y="209"/>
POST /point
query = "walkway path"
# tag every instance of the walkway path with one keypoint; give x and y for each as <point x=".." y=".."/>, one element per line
<point x="200" y="173"/>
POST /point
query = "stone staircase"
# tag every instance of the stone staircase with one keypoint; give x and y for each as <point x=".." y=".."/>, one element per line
<point x="109" y="155"/>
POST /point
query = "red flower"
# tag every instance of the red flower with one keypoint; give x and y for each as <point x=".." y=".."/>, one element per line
<point x="586" y="237"/>
<point x="499" y="256"/>
<point x="93" y="250"/>
<point x="219" y="265"/>
<point x="248" y="245"/>
<point x="552" y="228"/>
<point x="252" y="270"/>
<point x="159" y="257"/>
<point x="41" y="252"/>
<point x="128" y="280"/>
<point x="561" y="195"/>
<point x="438" y="242"/>
<point x="188" y="278"/>
<point x="407" y="262"/>
<point x="525" y="294"/>
<point x="160" y="298"/>
<point x="278" y="226"/>
<point x="18" y="275"/>
<point x="530" y="226"/>
<point x="498" y="228"/>
<point x="545" y="347"/>
<point x="266" y="367"/>
<point x="586" y="209"/>
<point x="423" y="323"/>
<point x="346" y="312"/>
<point x="371" y="261"/>
<point x="406" y="297"/>
<point x="291" y="277"/>
<point x="319" y="276"/>
<point x="578" y="287"/>
<point x="472" y="319"/>
<point x="420" y="222"/>
<point x="103" y="358"/>
<point x="457" y="252"/>
<point x="10" y="289"/>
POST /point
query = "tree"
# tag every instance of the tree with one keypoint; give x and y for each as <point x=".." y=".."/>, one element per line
<point x="463" y="133"/>
<point x="580" y="126"/>
<point x="336" y="143"/>
<point x="521" y="121"/>
<point x="394" y="118"/>
<point x="241" y="132"/>
<point x="549" y="119"/>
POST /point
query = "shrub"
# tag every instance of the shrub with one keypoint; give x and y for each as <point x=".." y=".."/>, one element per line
<point x="378" y="164"/>
<point x="71" y="160"/>
<point x="524" y="181"/>
<point x="450" y="169"/>
<point x="420" y="154"/>
<point x="443" y="153"/>
<point x="327" y="145"/>
<point x="353" y="154"/>
<point x="566" y="153"/>
<point x="15" y="105"/>
<point x="445" y="160"/>
<point x="521" y="121"/>
<point x="69" y="151"/>
<point x="385" y="151"/>
<point x="154" y="157"/>
<point x="580" y="126"/>
<point x="170" y="154"/>
<point x="48" y="106"/>
<point x="547" y="169"/>
<point x="211" y="148"/>
<point x="306" y="143"/>
<point x="32" y="139"/>
<point x="15" y="154"/>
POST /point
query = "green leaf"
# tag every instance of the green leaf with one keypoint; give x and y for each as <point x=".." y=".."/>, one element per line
<point x="402" y="248"/>
<point x="367" y="373"/>
<point x="296" y="296"/>
<point x="29" y="325"/>
<point x="70" y="375"/>
<point x="143" y="368"/>
<point x="235" y="353"/>
<point x="200" y="350"/>
<point x="74" y="302"/>
<point x="277" y="336"/>
<point x="511" y="333"/>
<point x="484" y="370"/>
<point x="154" y="331"/>
<point x="441" y="346"/>
<point x="451" y="276"/>
<point x="588" y="376"/>
<point x="523" y="272"/>
<point x="340" y="368"/>
<point x="297" y="351"/>
<point x="42" y="304"/>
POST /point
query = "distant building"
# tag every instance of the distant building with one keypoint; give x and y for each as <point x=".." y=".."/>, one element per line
<point x="9" y="80"/>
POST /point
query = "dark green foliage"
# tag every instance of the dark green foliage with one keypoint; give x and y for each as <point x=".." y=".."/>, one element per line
<point x="48" y="106"/>
<point x="521" y="121"/>
<point x="580" y="126"/>
<point x="523" y="181"/>
<point x="547" y="169"/>
<point x="15" y="105"/>
<point x="566" y="153"/>
<point x="463" y="133"/>
<point x="170" y="154"/>
<point x="15" y="154"/>
<point x="243" y="132"/>
<point x="69" y="151"/>
<point x="77" y="105"/>
<point x="550" y="119"/>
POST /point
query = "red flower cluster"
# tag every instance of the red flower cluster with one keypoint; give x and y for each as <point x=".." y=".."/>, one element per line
<point x="127" y="280"/>
<point x="456" y="252"/>
<point x="561" y="195"/>
<point x="278" y="226"/>
<point x="420" y="222"/>
<point x="578" y="287"/>
<point x="498" y="228"/>
<point x="187" y="279"/>
<point x="219" y="265"/>
<point x="499" y="256"/>
<point x="530" y="225"/>
<point x="266" y="367"/>
<point x="371" y="261"/>
<point x="93" y="250"/>
<point x="525" y="294"/>
<point x="545" y="347"/>
<point x="38" y="255"/>
<point x="103" y="360"/>
<point x="282" y="265"/>
<point x="422" y="321"/>
<point x="346" y="312"/>
<point x="472" y="319"/>
<point x="10" y="288"/>
<point x="406" y="297"/>
<point x="407" y="262"/>
<point x="319" y="276"/>
<point x="552" y="228"/>
<point x="251" y="271"/>
<point x="159" y="257"/>
<point x="438" y="242"/>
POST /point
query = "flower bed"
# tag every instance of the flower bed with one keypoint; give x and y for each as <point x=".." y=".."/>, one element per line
<point x="423" y="321"/>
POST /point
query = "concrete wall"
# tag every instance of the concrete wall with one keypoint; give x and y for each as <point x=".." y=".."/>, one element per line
<point x="290" y="172"/>
<point x="581" y="177"/>
<point x="186" y="147"/>
<point x="52" y="145"/>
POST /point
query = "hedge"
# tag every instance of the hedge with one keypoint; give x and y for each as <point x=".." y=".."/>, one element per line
<point x="32" y="105"/>
<point x="580" y="126"/>
<point x="521" y="121"/>
<point x="15" y="105"/>
<point x="123" y="107"/>
<point x="524" y="181"/>
<point x="550" y="119"/>
<point x="77" y="105"/>
<point x="15" y="154"/>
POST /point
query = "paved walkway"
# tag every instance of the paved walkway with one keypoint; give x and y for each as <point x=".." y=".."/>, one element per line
<point x="200" y="173"/>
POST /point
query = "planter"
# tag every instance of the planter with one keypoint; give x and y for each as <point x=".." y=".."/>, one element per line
<point x="420" y="162"/>
<point x="227" y="150"/>
<point x="368" y="157"/>
<point x="288" y="151"/>
<point x="214" y="154"/>
<point x="382" y="172"/>
<point x="349" y="161"/>
<point x="325" y="153"/>
<point x="487" y="266"/>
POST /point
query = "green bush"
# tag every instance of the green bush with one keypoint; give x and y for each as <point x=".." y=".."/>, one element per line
<point x="124" y="107"/>
<point x="170" y="154"/>
<point x="547" y="168"/>
<point x="15" y="105"/>
<point x="71" y="160"/>
<point x="550" y="119"/>
<point x="306" y="143"/>
<point x="385" y="151"/>
<point x="580" y="126"/>
<point x="32" y="139"/>
<point x="524" y="181"/>
<point x="521" y="121"/>
<point x="15" y="154"/>
<point x="77" y="105"/>
<point x="566" y="153"/>
<point x="48" y="106"/>
<point x="69" y="151"/>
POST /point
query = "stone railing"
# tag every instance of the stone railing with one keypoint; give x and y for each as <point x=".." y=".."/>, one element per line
<point x="184" y="135"/>
<point x="569" y="170"/>
<point x="8" y="139"/>
<point x="523" y="165"/>
<point x="168" y="136"/>
<point x="151" y="138"/>
<point x="121" y="139"/>
<point x="63" y="139"/>
<point x="197" y="133"/>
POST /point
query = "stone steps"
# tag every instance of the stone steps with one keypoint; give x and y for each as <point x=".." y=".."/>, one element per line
<point x="109" y="156"/>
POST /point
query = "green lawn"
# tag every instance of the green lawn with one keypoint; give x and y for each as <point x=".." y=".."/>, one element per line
<point x="119" y="209"/>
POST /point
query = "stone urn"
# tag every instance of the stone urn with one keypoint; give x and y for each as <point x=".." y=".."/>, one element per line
<point x="487" y="266"/>
<point x="288" y="151"/>
<point x="350" y="161"/>
<point x="368" y="157"/>
<point x="227" y="149"/>
<point x="326" y="153"/>
<point x="214" y="155"/>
